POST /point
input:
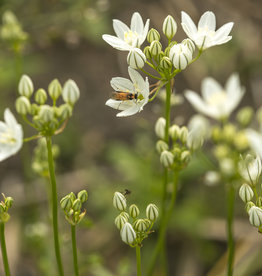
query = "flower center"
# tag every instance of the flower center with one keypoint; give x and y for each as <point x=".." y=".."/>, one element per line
<point x="217" y="98"/>
<point x="206" y="32"/>
<point x="7" y="137"/>
<point x="130" y="37"/>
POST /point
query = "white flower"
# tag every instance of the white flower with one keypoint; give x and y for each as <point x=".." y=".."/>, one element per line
<point x="217" y="103"/>
<point x="204" y="35"/>
<point x="201" y="124"/>
<point x="255" y="141"/>
<point x="128" y="38"/>
<point x="195" y="139"/>
<point x="180" y="55"/>
<point x="11" y="136"/>
<point x="250" y="168"/>
<point x="137" y="86"/>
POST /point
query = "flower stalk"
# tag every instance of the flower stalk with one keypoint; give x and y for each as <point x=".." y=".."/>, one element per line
<point x="3" y="249"/>
<point x="138" y="261"/>
<point x="73" y="237"/>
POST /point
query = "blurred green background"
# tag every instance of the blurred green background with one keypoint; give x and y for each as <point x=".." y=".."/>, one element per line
<point x="102" y="153"/>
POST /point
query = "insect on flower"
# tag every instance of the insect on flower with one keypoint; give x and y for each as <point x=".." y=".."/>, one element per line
<point x="123" y="96"/>
<point x="126" y="192"/>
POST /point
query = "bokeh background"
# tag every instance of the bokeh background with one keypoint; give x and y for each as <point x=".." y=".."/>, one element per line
<point x="102" y="153"/>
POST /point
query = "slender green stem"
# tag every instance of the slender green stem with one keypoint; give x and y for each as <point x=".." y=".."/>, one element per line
<point x="230" y="238"/>
<point x="255" y="191"/>
<point x="34" y="137"/>
<point x="3" y="249"/>
<point x="73" y="237"/>
<point x="54" y="205"/>
<point x="138" y="260"/>
<point x="152" y="76"/>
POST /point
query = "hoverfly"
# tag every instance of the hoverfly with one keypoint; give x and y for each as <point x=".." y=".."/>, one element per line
<point x="123" y="96"/>
<point x="126" y="192"/>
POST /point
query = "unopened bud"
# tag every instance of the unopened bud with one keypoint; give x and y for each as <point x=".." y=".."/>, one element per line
<point x="183" y="134"/>
<point x="136" y="58"/>
<point x="125" y="214"/>
<point x="259" y="202"/>
<point x="152" y="212"/>
<point x="120" y="221"/>
<point x="190" y="44"/>
<point x="119" y="201"/>
<point x="70" y="92"/>
<point x="161" y="146"/>
<point x="134" y="211"/>
<point x="249" y="205"/>
<point x="167" y="158"/>
<point x="169" y="27"/>
<point x="165" y="63"/>
<point x="245" y="115"/>
<point x="46" y="113"/>
<point x="66" y="203"/>
<point x="2" y="208"/>
<point x="147" y="52"/>
<point x="180" y="56"/>
<point x="82" y="195"/>
<point x="246" y="193"/>
<point x="195" y="140"/>
<point x="229" y="132"/>
<point x="77" y="204"/>
<point x="25" y="86"/>
<point x="140" y="225"/>
<point x="155" y="47"/>
<point x="72" y="196"/>
<point x="255" y="216"/>
<point x="128" y="234"/>
<point x="9" y="202"/>
<point x="34" y="109"/>
<point x="65" y="111"/>
<point x="185" y="156"/>
<point x="174" y="132"/>
<point x="54" y="89"/>
<point x="160" y="127"/>
<point x="40" y="96"/>
<point x="216" y="134"/>
<point x="22" y="105"/>
<point x="152" y="35"/>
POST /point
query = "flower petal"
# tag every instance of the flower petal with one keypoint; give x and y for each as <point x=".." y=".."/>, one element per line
<point x="210" y="86"/>
<point x="208" y="19"/>
<point x="188" y="25"/>
<point x="145" y="31"/>
<point x="120" y="28"/>
<point x="9" y="118"/>
<point x="137" y="24"/>
<point x="122" y="84"/>
<point x="136" y="78"/>
<point x="119" y="105"/>
<point x="130" y="111"/>
<point x="255" y="141"/>
<point x="222" y="33"/>
<point x="116" y="42"/>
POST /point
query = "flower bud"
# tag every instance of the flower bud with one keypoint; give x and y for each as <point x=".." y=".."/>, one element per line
<point x="70" y="92"/>
<point x="119" y="201"/>
<point x="259" y="202"/>
<point x="148" y="222"/>
<point x="169" y="27"/>
<point x="77" y="204"/>
<point x="216" y="133"/>
<point x="25" y="86"/>
<point x="166" y="63"/>
<point x="241" y="141"/>
<point x="82" y="195"/>
<point x="155" y="48"/>
<point x="46" y="113"/>
<point x="160" y="127"/>
<point x="125" y="215"/>
<point x="34" y="109"/>
<point x="9" y="202"/>
<point x="190" y="44"/>
<point x="66" y="203"/>
<point x="249" y="205"/>
<point x="167" y="158"/>
<point x="152" y="35"/>
<point x="152" y="212"/>
<point x="147" y="52"/>
<point x="176" y="152"/>
<point x="229" y="132"/>
<point x="180" y="56"/>
<point x="246" y="193"/>
<point x="134" y="211"/>
<point x="245" y="115"/>
<point x="183" y="134"/>
<point x="161" y="146"/>
<point x="255" y="216"/>
<point x="72" y="196"/>
<point x="65" y="111"/>
<point x="120" y="222"/>
<point x="22" y="105"/>
<point x="174" y="132"/>
<point x="185" y="156"/>
<point x="195" y="140"/>
<point x="128" y="234"/>
<point x="136" y="58"/>
<point x="40" y="96"/>
<point x="54" y="89"/>
<point x="2" y="208"/>
<point x="140" y="225"/>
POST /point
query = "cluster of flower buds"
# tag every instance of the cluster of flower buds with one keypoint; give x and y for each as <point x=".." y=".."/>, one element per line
<point x="250" y="169"/>
<point x="11" y="31"/>
<point x="133" y="230"/>
<point x="184" y="143"/>
<point x="4" y="206"/>
<point x="72" y="206"/>
<point x="46" y="119"/>
<point x="39" y="160"/>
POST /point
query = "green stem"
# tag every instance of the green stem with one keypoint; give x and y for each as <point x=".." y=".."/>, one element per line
<point x="73" y="237"/>
<point x="230" y="238"/>
<point x="3" y="249"/>
<point x="54" y="204"/>
<point x="152" y="76"/>
<point x="138" y="260"/>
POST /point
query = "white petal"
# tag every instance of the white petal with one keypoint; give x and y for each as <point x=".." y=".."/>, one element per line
<point x="188" y="25"/>
<point x="145" y="31"/>
<point x="255" y="141"/>
<point x="137" y="24"/>
<point x="210" y="86"/>
<point x="120" y="28"/>
<point x="116" y="42"/>
<point x="122" y="84"/>
<point x="119" y="105"/>
<point x="136" y="78"/>
<point x="222" y="33"/>
<point x="130" y="111"/>
<point x="208" y="19"/>
<point x="145" y="91"/>
<point x="9" y="118"/>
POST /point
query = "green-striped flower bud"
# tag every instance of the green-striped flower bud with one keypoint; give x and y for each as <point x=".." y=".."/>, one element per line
<point x="54" y="89"/>
<point x="177" y="152"/>
<point x="174" y="132"/>
<point x="246" y="193"/>
<point x="152" y="35"/>
<point x="161" y="146"/>
<point x="9" y="202"/>
<point x="25" y="86"/>
<point x="245" y="115"/>
<point x="136" y="58"/>
<point x="155" y="47"/>
<point x="160" y="127"/>
<point x="66" y="203"/>
<point x="166" y="63"/>
<point x="185" y="156"/>
<point x="70" y="92"/>
<point x="34" y="109"/>
<point x="83" y="195"/>
<point x="249" y="205"/>
<point x="125" y="215"/>
<point x="65" y="111"/>
<point x="169" y="27"/>
<point x="183" y="134"/>
<point x="40" y="96"/>
<point x="152" y="212"/>
<point x="128" y="234"/>
<point x="77" y="204"/>
<point x="120" y="222"/>
<point x="190" y="44"/>
<point x="148" y="222"/>
<point x="119" y="201"/>
<point x="167" y="158"/>
<point x="259" y="202"/>
<point x="72" y="196"/>
<point x="2" y="208"/>
<point x="22" y="105"/>
<point x="140" y="225"/>
<point x="255" y="216"/>
<point x="134" y="211"/>
<point x="46" y="113"/>
<point x="147" y="52"/>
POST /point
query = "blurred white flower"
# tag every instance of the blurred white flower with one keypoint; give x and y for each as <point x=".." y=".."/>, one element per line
<point x="137" y="86"/>
<point x="204" y="35"/>
<point x="201" y="124"/>
<point x="11" y="136"/>
<point x="128" y="38"/>
<point x="255" y="141"/>
<point x="217" y="103"/>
